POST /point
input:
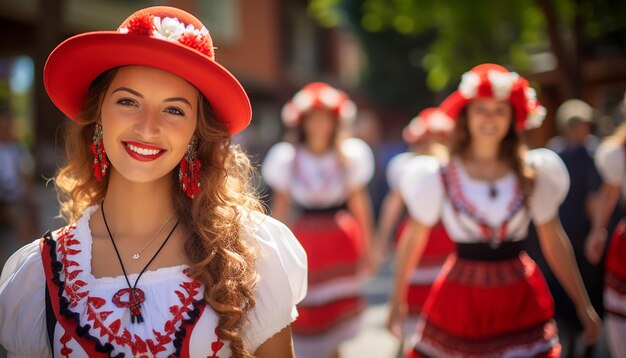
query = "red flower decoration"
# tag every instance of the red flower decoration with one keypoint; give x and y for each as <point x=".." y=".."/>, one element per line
<point x="143" y="25"/>
<point x="197" y="42"/>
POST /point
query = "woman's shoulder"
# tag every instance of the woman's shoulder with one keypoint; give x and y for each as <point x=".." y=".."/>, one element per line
<point x="282" y="151"/>
<point x="610" y="153"/>
<point x="22" y="303"/>
<point x="281" y="265"/>
<point x="270" y="234"/>
<point x="542" y="155"/>
<point x="423" y="166"/>
<point x="357" y="149"/>
<point x="548" y="166"/>
<point x="25" y="261"/>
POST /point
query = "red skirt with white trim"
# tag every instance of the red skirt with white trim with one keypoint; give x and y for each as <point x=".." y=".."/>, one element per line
<point x="615" y="280"/>
<point x="334" y="246"/>
<point x="437" y="249"/>
<point x="488" y="309"/>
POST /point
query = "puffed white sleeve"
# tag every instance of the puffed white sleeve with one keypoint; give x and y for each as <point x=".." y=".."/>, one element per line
<point x="422" y="190"/>
<point x="22" y="304"/>
<point x="282" y="267"/>
<point x="360" y="162"/>
<point x="550" y="187"/>
<point x="395" y="168"/>
<point x="276" y="169"/>
<point x="609" y="159"/>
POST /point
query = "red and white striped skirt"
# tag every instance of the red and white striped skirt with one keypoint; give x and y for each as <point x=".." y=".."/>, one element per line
<point x="334" y="247"/>
<point x="437" y="249"/>
<point x="495" y="308"/>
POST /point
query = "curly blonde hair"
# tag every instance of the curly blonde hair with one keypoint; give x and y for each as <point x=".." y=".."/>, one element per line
<point x="221" y="259"/>
<point x="512" y="150"/>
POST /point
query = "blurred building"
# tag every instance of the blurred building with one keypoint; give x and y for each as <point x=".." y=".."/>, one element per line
<point x="271" y="46"/>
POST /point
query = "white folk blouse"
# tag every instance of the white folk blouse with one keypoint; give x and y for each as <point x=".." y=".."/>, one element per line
<point x="173" y="300"/>
<point x="428" y="200"/>
<point x="318" y="181"/>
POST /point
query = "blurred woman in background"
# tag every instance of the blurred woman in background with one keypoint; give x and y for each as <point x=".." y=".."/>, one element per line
<point x="427" y="134"/>
<point x="490" y="299"/>
<point x="319" y="186"/>
<point x="610" y="159"/>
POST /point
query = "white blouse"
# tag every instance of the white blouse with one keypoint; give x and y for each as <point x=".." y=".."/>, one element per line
<point x="423" y="191"/>
<point x="169" y="293"/>
<point x="396" y="167"/>
<point x="611" y="162"/>
<point x="318" y="181"/>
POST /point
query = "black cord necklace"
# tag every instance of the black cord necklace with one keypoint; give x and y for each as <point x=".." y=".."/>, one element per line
<point x="493" y="190"/>
<point x="136" y="296"/>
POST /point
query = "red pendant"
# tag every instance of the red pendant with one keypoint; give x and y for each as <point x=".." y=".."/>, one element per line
<point x="135" y="298"/>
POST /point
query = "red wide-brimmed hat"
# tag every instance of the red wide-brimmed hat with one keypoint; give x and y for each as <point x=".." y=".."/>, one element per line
<point x="494" y="81"/>
<point x="318" y="95"/>
<point x="161" y="37"/>
<point x="430" y="120"/>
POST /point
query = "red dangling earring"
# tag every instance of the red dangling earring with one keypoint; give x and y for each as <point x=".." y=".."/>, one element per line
<point x="100" y="161"/>
<point x="189" y="171"/>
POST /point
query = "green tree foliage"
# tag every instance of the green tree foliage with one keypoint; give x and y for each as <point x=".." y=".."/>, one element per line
<point x="447" y="37"/>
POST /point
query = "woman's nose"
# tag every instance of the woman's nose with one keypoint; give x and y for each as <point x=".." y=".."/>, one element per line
<point x="148" y="124"/>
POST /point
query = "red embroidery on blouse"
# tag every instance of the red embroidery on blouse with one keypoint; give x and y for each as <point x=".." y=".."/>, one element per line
<point x="460" y="203"/>
<point x="75" y="290"/>
<point x="216" y="345"/>
<point x="65" y="351"/>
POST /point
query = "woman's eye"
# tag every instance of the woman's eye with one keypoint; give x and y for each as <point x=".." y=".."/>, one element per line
<point x="126" y="102"/>
<point x="175" y="111"/>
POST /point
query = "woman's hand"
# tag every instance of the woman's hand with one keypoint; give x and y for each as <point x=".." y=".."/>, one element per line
<point x="592" y="325"/>
<point x="594" y="245"/>
<point x="397" y="315"/>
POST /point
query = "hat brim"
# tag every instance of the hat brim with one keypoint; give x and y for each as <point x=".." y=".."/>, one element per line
<point x="76" y="62"/>
<point x="453" y="105"/>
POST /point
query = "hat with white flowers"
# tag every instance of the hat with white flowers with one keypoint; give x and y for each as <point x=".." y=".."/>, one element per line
<point x="430" y="120"/>
<point x="162" y="37"/>
<point x="494" y="81"/>
<point x="318" y="95"/>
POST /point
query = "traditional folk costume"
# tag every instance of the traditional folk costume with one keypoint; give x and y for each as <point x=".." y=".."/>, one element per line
<point x="430" y="121"/>
<point x="611" y="162"/>
<point x="50" y="302"/>
<point x="491" y="299"/>
<point x="318" y="186"/>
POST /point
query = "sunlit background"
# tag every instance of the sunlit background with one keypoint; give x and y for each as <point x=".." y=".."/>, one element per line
<point x="395" y="57"/>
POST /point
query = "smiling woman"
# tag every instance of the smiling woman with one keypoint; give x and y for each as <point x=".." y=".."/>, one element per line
<point x="491" y="298"/>
<point x="166" y="252"/>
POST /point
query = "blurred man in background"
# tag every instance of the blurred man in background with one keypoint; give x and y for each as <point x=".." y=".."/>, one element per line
<point x="576" y="145"/>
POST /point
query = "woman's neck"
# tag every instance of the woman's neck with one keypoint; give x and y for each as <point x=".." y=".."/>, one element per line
<point x="483" y="152"/>
<point x="132" y="209"/>
<point x="317" y="147"/>
<point x="482" y="162"/>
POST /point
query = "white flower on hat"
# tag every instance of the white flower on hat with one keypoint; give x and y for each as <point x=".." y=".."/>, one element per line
<point x="502" y="83"/>
<point x="535" y="118"/>
<point x="468" y="87"/>
<point x="531" y="96"/>
<point x="330" y="97"/>
<point x="347" y="111"/>
<point x="169" y="28"/>
<point x="303" y="100"/>
<point x="198" y="32"/>
<point x="440" y="123"/>
<point x="290" y="114"/>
